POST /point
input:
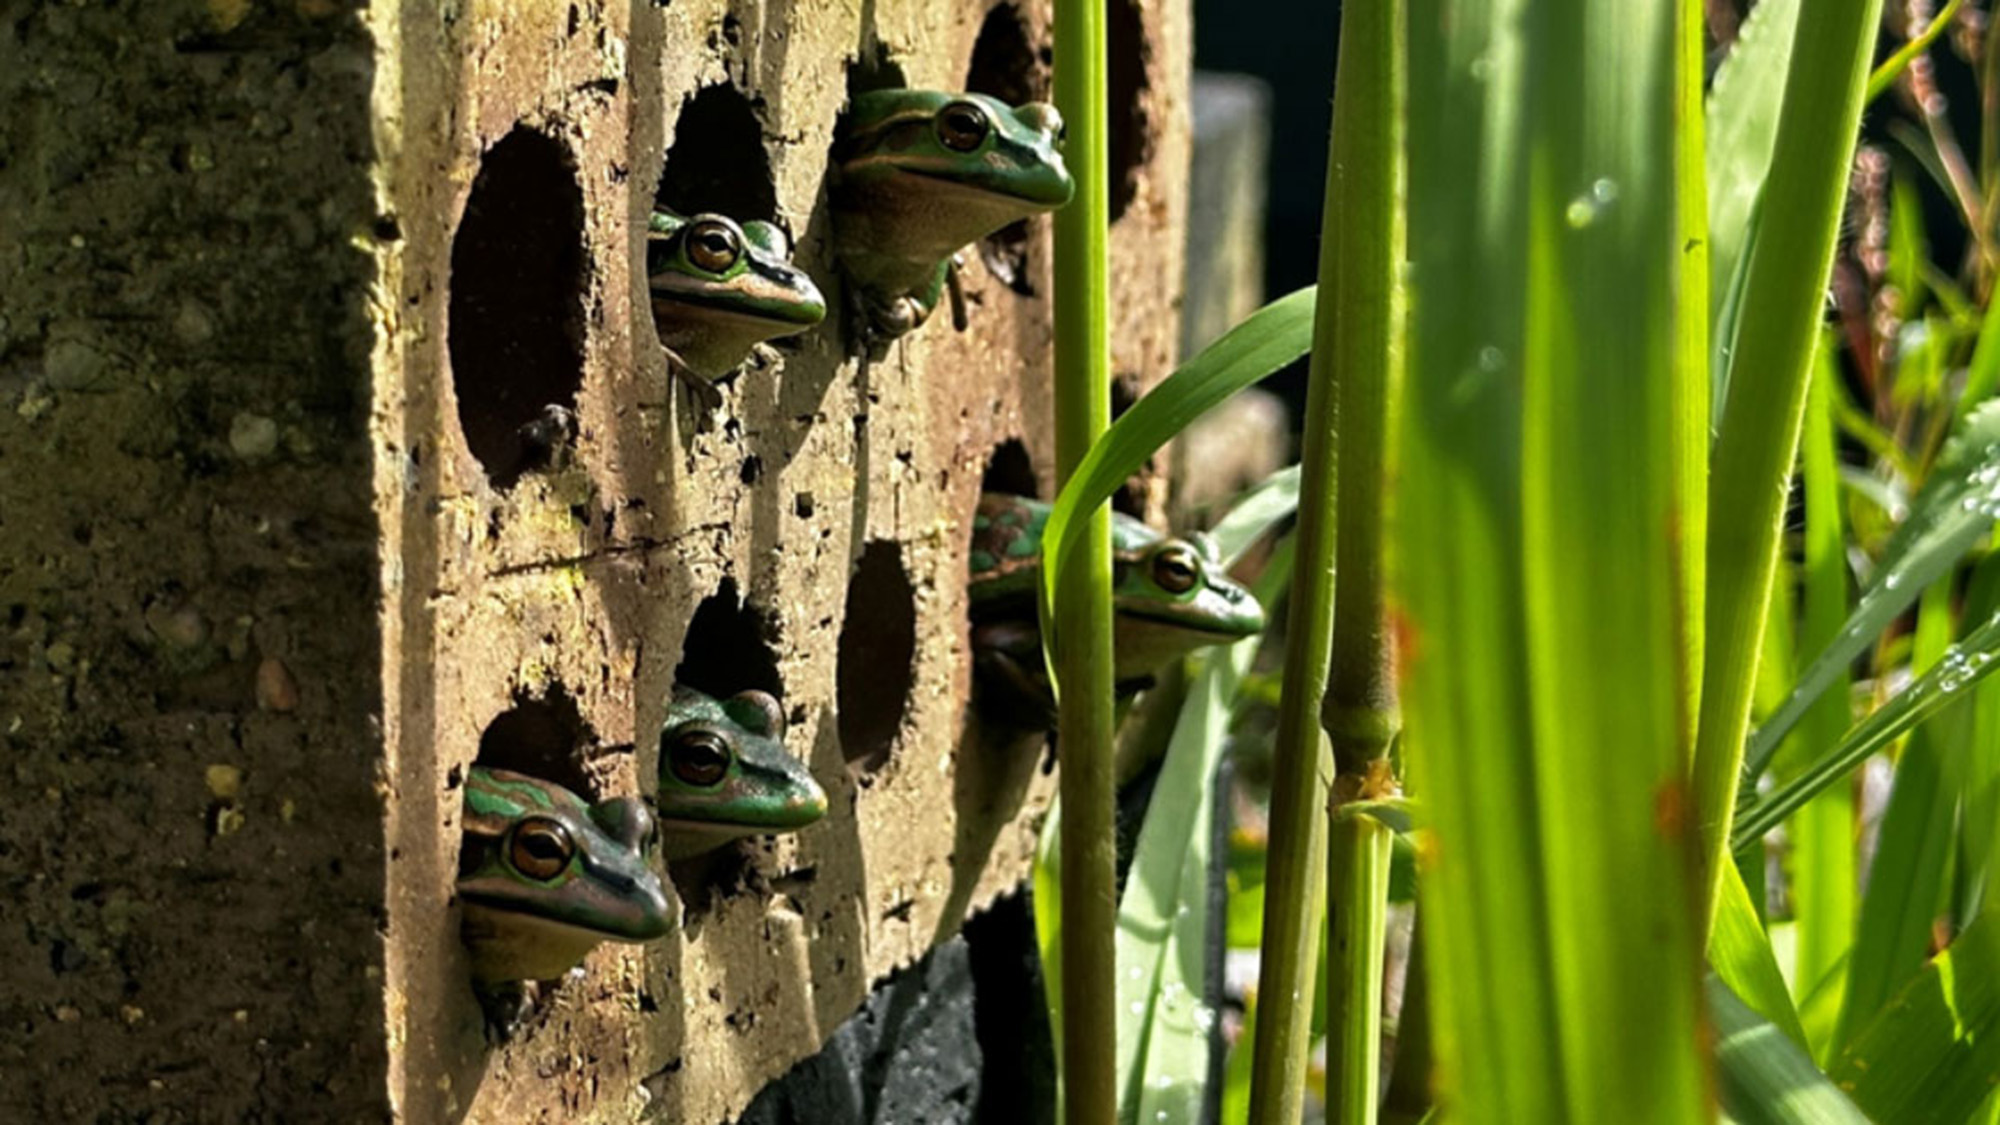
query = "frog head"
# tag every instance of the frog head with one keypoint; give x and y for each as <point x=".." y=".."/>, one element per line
<point x="725" y="773"/>
<point x="544" y="876"/>
<point x="719" y="288"/>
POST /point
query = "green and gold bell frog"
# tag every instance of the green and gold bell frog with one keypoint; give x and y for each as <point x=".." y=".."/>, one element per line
<point x="725" y="773"/>
<point x="720" y="288"/>
<point x="1170" y="596"/>
<point x="917" y="175"/>
<point x="544" y="876"/>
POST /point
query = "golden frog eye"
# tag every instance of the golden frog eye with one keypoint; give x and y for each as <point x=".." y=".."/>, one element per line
<point x="541" y="849"/>
<point x="713" y="246"/>
<point x="963" y="126"/>
<point x="1176" y="569"/>
<point x="699" y="758"/>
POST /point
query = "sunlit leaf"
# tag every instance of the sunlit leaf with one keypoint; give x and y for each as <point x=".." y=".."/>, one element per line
<point x="1932" y="1056"/>
<point x="1740" y="953"/>
<point x="1163" y="1028"/>
<point x="1766" y="1078"/>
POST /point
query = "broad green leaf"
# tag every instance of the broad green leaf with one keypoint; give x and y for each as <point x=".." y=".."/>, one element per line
<point x="1932" y="1056"/>
<point x="1268" y="339"/>
<point x="1163" y="1030"/>
<point x="1740" y="953"/>
<point x="1765" y="1077"/>
<point x="1952" y="512"/>
<point x="1963" y="665"/>
<point x="1537" y="576"/>
<point x="1906" y="875"/>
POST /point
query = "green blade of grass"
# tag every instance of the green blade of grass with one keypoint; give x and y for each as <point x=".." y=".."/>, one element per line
<point x="1765" y="1077"/>
<point x="1822" y="833"/>
<point x="1932" y="1056"/>
<point x="1892" y="68"/>
<point x="1906" y="876"/>
<point x="1758" y="439"/>
<point x="1977" y="775"/>
<point x="1963" y="665"/>
<point x="1951" y="513"/>
<point x="1267" y="340"/>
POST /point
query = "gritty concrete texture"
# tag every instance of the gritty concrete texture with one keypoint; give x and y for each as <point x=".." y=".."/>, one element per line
<point x="282" y="288"/>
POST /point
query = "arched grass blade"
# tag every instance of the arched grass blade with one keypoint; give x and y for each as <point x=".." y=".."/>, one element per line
<point x="1267" y="340"/>
<point x="1950" y="515"/>
<point x="1963" y="665"/>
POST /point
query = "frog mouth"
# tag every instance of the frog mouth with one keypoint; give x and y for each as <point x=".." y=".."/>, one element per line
<point x="1191" y="624"/>
<point x="994" y="188"/>
<point x="779" y="312"/>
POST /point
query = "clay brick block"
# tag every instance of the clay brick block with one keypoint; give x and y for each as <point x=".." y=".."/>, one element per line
<point x="278" y="283"/>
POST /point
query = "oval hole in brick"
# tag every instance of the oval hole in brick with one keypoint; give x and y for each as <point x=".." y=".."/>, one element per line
<point x="728" y="647"/>
<point x="717" y="161"/>
<point x="1011" y="470"/>
<point x="1007" y="66"/>
<point x="1127" y="55"/>
<point x="542" y="736"/>
<point x="878" y="651"/>
<point x="515" y="321"/>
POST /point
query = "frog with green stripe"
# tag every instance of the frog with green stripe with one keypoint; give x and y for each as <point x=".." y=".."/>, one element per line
<point x="1170" y="596"/>
<point x="725" y="773"/>
<point x="721" y="288"/>
<point x="545" y="876"/>
<point x="919" y="174"/>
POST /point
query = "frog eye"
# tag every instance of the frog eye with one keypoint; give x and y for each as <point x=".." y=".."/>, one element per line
<point x="1177" y="569"/>
<point x="962" y="126"/>
<point x="699" y="758"/>
<point x="540" y="849"/>
<point x="713" y="246"/>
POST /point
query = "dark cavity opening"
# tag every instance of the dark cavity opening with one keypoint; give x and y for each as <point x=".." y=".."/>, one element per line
<point x="1131" y="496"/>
<point x="515" y="326"/>
<point x="1007" y="66"/>
<point x="1011" y="470"/>
<point x="543" y="737"/>
<point x="874" y="70"/>
<point x="718" y="162"/>
<point x="878" y="649"/>
<point x="1127" y="55"/>
<point x="729" y="647"/>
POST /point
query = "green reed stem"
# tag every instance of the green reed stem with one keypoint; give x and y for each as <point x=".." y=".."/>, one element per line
<point x="1083" y="593"/>
<point x="1355" y="333"/>
<point x="1759" y="435"/>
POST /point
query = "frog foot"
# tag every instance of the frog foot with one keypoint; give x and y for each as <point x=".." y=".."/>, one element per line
<point x="706" y="394"/>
